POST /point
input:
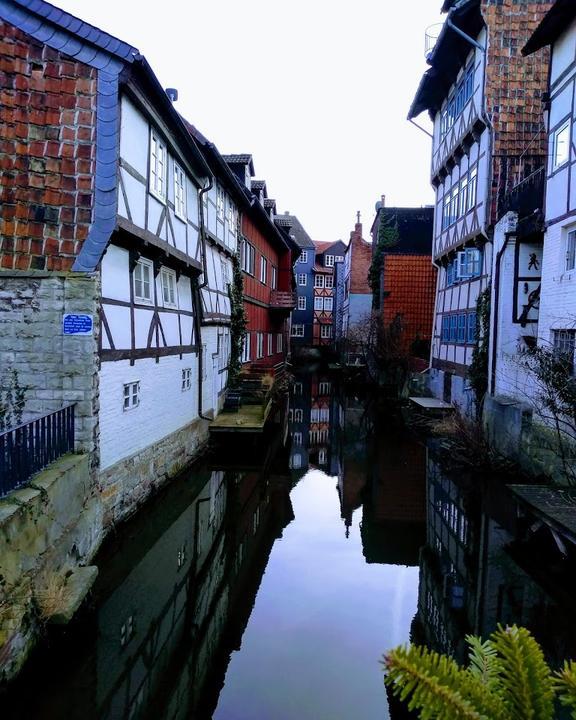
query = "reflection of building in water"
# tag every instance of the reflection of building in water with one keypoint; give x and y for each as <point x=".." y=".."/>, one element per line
<point x="489" y="560"/>
<point x="354" y="427"/>
<point x="313" y="403"/>
<point x="394" y="512"/>
<point x="164" y="601"/>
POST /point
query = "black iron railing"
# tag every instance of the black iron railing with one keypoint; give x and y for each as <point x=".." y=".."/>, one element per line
<point x="30" y="447"/>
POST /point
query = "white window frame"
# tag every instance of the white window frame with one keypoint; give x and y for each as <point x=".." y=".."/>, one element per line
<point x="166" y="274"/>
<point x="329" y="260"/>
<point x="472" y="187"/>
<point x="186" y="379"/>
<point x="273" y="277"/>
<point x="326" y="332"/>
<point x="302" y="280"/>
<point x="303" y="256"/>
<point x="158" y="162"/>
<point x="338" y="258"/>
<point x="131" y="395"/>
<point x="259" y="345"/>
<point x="297" y="438"/>
<point x="318" y="281"/>
<point x="279" y="343"/>
<point x="179" y="192"/>
<point x="270" y="351"/>
<point x="139" y="267"/>
<point x="263" y="269"/>
<point x="220" y="202"/>
<point x="570" y="261"/>
<point x="297" y="330"/>
<point x="468" y="263"/>
<point x="318" y="303"/>
<point x="298" y="415"/>
<point x="329" y="282"/>
<point x="325" y="387"/>
<point x="248" y="257"/>
<point x="328" y="304"/>
<point x="301" y="302"/>
<point x="246" y="348"/>
<point x="561" y="158"/>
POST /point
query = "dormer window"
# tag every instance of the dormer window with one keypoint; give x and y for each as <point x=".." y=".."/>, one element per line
<point x="157" y="179"/>
<point x="329" y="260"/>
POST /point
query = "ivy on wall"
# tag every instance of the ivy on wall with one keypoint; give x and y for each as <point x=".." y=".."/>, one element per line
<point x="238" y="321"/>
<point x="11" y="400"/>
<point x="388" y="237"/>
<point x="478" y="370"/>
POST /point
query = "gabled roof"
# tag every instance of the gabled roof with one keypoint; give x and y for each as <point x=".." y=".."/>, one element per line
<point x="554" y="23"/>
<point x="242" y="159"/>
<point x="297" y="231"/>
<point x="415" y="229"/>
<point x="258" y="184"/>
<point x="447" y="57"/>
<point x="322" y="247"/>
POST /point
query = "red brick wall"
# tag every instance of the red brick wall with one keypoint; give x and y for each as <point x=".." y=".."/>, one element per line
<point x="47" y="153"/>
<point x="411" y="282"/>
<point x="514" y="87"/>
<point x="360" y="263"/>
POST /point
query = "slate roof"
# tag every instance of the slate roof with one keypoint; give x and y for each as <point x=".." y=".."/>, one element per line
<point x="447" y="57"/>
<point x="72" y="24"/>
<point x="258" y="184"/>
<point x="297" y="231"/>
<point x="321" y="247"/>
<point x="554" y="23"/>
<point x="415" y="228"/>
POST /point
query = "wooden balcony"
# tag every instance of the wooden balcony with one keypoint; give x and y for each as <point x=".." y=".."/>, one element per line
<point x="283" y="301"/>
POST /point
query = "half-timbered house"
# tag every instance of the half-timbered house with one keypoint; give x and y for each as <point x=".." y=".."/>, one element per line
<point x="327" y="256"/>
<point x="115" y="187"/>
<point x="557" y="299"/>
<point x="485" y="139"/>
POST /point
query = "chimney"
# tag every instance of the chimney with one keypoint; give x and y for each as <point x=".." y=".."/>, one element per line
<point x="172" y="94"/>
<point x="383" y="197"/>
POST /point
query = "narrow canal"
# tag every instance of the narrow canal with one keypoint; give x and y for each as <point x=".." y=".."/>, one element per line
<point x="267" y="581"/>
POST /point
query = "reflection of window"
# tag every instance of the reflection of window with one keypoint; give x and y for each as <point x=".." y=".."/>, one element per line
<point x="296" y="461"/>
<point x="298" y="388"/>
<point x="297" y="438"/>
<point x="325" y="388"/>
<point x="314" y="415"/>
<point x="561" y="145"/>
<point x="297" y="331"/>
<point x="298" y="415"/>
<point x="324" y="414"/>
<point x="322" y="457"/>
<point x="279" y="342"/>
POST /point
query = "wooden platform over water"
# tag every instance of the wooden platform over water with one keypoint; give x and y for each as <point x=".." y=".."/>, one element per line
<point x="429" y="404"/>
<point x="248" y="419"/>
<point x="555" y="506"/>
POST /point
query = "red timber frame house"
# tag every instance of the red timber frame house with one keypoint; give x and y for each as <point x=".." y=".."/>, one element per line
<point x="267" y="256"/>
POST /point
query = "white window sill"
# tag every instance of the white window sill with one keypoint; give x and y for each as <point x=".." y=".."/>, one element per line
<point x="157" y="195"/>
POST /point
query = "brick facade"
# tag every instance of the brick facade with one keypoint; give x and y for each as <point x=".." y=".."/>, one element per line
<point x="513" y="90"/>
<point x="360" y="261"/>
<point x="47" y="153"/>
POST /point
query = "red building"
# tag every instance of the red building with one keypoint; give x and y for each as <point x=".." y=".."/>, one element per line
<point x="407" y="276"/>
<point x="267" y="256"/>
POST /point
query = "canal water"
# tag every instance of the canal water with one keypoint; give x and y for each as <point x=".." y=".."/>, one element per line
<point x="268" y="580"/>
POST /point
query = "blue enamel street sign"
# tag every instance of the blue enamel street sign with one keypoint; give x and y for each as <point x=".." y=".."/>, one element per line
<point x="77" y="324"/>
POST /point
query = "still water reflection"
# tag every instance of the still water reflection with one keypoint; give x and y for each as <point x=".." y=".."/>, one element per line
<point x="267" y="582"/>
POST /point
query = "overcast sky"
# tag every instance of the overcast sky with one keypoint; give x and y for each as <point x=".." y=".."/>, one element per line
<point x="316" y="91"/>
